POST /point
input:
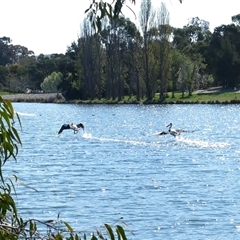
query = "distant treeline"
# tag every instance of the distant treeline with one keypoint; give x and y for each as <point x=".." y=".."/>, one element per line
<point x="124" y="60"/>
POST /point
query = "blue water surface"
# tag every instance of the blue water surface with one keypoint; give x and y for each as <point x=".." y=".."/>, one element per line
<point x="163" y="187"/>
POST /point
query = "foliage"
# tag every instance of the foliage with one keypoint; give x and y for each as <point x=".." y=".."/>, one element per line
<point x="225" y="51"/>
<point x="9" y="140"/>
<point x="10" y="54"/>
<point x="98" y="10"/>
<point x="51" y="82"/>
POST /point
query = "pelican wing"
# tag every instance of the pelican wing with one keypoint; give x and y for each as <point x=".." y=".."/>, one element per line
<point x="63" y="127"/>
<point x="163" y="133"/>
<point x="80" y="125"/>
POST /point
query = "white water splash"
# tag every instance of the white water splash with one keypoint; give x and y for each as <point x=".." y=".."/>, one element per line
<point x="87" y="135"/>
<point x="102" y="139"/>
<point x="26" y="114"/>
<point x="176" y="140"/>
<point x="204" y="144"/>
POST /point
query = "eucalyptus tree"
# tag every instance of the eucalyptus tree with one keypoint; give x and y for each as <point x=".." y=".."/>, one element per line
<point x="97" y="11"/>
<point x="195" y="31"/>
<point x="153" y="61"/>
<point x="5" y="53"/>
<point x="193" y="40"/>
<point x="164" y="33"/>
<point x="10" y="54"/>
<point x="146" y="23"/>
<point x="26" y="61"/>
<point x="176" y="66"/>
<point x="132" y="61"/>
<point x="83" y="77"/>
<point x="185" y="74"/>
<point x="20" y="52"/>
<point x="69" y="67"/>
<point x="120" y="38"/>
<point x="113" y="55"/>
<point x="225" y="51"/>
<point x="121" y="32"/>
<point x="236" y="19"/>
<point x="17" y="79"/>
<point x="90" y="61"/>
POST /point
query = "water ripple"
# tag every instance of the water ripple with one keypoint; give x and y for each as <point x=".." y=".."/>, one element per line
<point x="163" y="187"/>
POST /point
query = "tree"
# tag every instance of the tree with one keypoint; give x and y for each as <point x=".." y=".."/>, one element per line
<point x="177" y="57"/>
<point x="90" y="61"/>
<point x="118" y="37"/>
<point x="195" y="31"/>
<point x="6" y="55"/>
<point x="193" y="41"/>
<point x="3" y="76"/>
<point x="10" y="54"/>
<point x="17" y="78"/>
<point x="236" y="19"/>
<point x="165" y="31"/>
<point x="224" y="50"/>
<point x="185" y="75"/>
<point x="146" y="21"/>
<point x="51" y="83"/>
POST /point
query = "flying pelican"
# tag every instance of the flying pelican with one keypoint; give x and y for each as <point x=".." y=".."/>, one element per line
<point x="173" y="132"/>
<point x="72" y="126"/>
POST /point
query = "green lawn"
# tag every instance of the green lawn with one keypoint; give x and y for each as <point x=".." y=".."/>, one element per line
<point x="215" y="97"/>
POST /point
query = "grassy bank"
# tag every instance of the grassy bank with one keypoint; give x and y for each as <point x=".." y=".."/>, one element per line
<point x="210" y="96"/>
<point x="202" y="97"/>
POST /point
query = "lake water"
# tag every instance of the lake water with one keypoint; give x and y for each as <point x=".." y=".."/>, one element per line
<point x="163" y="187"/>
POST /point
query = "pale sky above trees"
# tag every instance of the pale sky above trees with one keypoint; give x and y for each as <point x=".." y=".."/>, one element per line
<point x="48" y="27"/>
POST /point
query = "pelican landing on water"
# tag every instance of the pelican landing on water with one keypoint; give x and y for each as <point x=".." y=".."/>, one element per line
<point x="74" y="127"/>
<point x="173" y="132"/>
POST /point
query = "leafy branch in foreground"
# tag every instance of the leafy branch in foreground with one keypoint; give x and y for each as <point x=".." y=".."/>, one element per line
<point x="13" y="227"/>
<point x="101" y="9"/>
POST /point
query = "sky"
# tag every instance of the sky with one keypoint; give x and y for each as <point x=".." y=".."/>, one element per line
<point x="50" y="26"/>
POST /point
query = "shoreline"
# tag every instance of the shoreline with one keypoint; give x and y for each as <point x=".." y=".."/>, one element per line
<point x="214" y="96"/>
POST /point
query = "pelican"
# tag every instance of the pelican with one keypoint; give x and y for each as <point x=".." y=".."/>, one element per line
<point x="72" y="126"/>
<point x="173" y="132"/>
